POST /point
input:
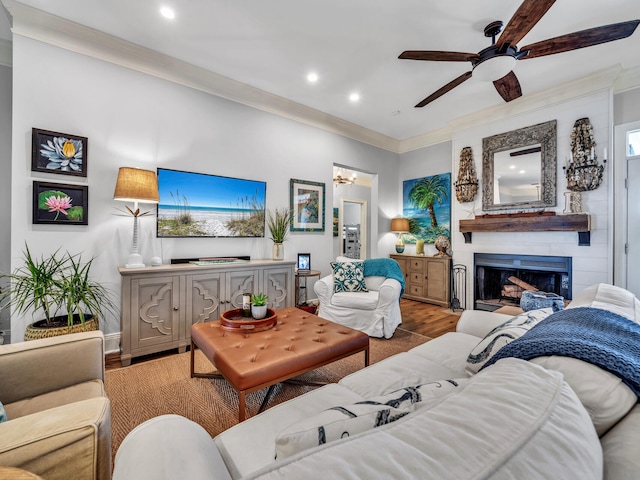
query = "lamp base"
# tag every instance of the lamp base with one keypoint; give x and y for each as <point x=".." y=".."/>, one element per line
<point x="134" y="261"/>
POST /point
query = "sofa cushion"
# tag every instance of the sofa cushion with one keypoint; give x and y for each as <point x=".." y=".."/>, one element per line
<point x="609" y="297"/>
<point x="56" y="398"/>
<point x="620" y="447"/>
<point x="348" y="277"/>
<point x="494" y="427"/>
<point x="502" y="335"/>
<point x="603" y="394"/>
<point x="356" y="300"/>
<point x="344" y="421"/>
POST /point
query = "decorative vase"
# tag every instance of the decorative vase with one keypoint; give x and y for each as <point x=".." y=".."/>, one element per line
<point x="259" y="311"/>
<point x="277" y="253"/>
<point x="419" y="247"/>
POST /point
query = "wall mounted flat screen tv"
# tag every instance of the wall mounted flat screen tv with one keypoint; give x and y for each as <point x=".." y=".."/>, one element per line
<point x="201" y="205"/>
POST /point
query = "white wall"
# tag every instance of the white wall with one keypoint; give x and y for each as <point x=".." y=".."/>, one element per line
<point x="5" y="182"/>
<point x="591" y="264"/>
<point x="136" y="120"/>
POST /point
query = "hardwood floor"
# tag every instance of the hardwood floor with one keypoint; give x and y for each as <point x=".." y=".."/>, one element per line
<point x="426" y="319"/>
<point x="423" y="318"/>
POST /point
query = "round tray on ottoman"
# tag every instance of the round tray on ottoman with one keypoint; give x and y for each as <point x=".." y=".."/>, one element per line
<point x="232" y="320"/>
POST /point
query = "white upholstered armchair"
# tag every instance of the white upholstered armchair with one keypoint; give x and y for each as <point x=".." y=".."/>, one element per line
<point x="376" y="311"/>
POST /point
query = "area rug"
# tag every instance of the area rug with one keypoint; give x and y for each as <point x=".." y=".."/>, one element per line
<point x="160" y="386"/>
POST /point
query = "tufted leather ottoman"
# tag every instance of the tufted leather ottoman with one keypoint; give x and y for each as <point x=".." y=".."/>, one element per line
<point x="298" y="343"/>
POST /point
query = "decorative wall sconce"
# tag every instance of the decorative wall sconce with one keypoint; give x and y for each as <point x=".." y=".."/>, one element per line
<point x="467" y="183"/>
<point x="582" y="171"/>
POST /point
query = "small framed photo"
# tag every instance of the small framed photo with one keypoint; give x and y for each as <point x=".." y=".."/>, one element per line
<point x="304" y="261"/>
<point x="307" y="206"/>
<point x="60" y="153"/>
<point x="60" y="203"/>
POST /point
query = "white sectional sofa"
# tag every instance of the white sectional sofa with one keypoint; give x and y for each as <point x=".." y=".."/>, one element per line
<point x="552" y="417"/>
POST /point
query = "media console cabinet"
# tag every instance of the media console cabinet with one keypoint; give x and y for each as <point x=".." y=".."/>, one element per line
<point x="159" y="304"/>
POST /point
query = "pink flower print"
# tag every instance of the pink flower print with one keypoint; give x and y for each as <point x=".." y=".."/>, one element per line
<point x="59" y="205"/>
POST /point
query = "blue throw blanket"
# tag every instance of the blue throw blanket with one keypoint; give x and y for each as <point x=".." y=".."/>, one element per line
<point x="592" y="335"/>
<point x="384" y="267"/>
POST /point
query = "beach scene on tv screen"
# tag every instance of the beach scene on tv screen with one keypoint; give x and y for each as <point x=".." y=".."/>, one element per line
<point x="201" y="205"/>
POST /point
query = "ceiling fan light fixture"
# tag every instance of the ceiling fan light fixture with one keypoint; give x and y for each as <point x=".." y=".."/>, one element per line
<point x="494" y="68"/>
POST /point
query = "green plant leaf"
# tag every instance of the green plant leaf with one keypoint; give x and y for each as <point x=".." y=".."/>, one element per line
<point x="75" y="214"/>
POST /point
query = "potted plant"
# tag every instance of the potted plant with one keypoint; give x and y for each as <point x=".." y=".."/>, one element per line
<point x="278" y="223"/>
<point x="259" y="306"/>
<point x="58" y="286"/>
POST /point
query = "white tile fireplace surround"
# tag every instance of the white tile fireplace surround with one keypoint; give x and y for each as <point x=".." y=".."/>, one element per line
<point x="499" y="279"/>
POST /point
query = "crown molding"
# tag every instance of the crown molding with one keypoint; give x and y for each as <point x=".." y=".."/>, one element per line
<point x="42" y="26"/>
<point x="628" y="80"/>
<point x="6" y="52"/>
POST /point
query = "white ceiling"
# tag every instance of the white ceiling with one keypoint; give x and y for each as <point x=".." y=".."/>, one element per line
<point x="353" y="46"/>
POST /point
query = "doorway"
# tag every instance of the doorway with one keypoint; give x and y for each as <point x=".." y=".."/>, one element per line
<point x="352" y="228"/>
<point x="627" y="207"/>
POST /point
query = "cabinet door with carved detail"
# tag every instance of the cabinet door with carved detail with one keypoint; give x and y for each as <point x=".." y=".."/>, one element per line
<point x="154" y="312"/>
<point x="239" y="282"/>
<point x="204" y="299"/>
<point x="276" y="282"/>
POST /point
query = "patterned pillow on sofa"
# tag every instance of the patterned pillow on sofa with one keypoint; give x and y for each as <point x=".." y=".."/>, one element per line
<point x="503" y="334"/>
<point x="348" y="277"/>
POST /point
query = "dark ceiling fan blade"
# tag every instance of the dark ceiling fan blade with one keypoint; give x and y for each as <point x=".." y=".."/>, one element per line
<point x="527" y="15"/>
<point x="508" y="87"/>
<point x="437" y="56"/>
<point x="581" y="39"/>
<point x="449" y="86"/>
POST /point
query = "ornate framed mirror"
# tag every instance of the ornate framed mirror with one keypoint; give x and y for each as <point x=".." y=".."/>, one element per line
<point x="519" y="168"/>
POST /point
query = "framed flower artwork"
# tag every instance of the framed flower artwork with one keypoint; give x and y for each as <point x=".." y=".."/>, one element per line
<point x="59" y="203"/>
<point x="307" y="206"/>
<point x="60" y="153"/>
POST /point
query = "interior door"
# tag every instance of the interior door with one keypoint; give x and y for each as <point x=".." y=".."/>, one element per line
<point x="633" y="225"/>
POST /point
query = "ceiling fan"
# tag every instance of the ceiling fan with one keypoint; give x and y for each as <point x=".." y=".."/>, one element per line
<point x="495" y="63"/>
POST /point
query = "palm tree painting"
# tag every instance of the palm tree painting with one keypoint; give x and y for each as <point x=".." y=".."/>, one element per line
<point x="426" y="203"/>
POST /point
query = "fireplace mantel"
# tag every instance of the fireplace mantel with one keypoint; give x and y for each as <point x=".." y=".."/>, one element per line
<point x="580" y="223"/>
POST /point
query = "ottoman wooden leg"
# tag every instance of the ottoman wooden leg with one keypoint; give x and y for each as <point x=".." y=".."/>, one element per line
<point x="242" y="406"/>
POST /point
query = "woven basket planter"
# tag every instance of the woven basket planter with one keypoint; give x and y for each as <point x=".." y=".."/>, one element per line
<point x="38" y="329"/>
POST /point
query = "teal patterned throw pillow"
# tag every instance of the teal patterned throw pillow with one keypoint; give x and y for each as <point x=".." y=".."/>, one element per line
<point x="348" y="277"/>
<point x="3" y="414"/>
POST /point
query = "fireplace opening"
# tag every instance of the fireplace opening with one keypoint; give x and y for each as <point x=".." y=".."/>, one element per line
<point x="500" y="279"/>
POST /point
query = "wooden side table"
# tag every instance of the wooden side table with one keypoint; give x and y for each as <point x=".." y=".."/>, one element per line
<point x="302" y="287"/>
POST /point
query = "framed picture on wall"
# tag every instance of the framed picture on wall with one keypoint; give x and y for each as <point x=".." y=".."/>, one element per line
<point x="60" y="153"/>
<point x="60" y="203"/>
<point x="307" y="206"/>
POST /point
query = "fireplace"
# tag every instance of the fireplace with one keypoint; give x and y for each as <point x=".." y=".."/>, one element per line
<point x="500" y="279"/>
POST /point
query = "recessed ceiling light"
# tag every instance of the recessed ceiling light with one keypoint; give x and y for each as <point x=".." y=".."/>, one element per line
<point x="522" y="171"/>
<point x="354" y="97"/>
<point x="312" y="77"/>
<point x="167" y="12"/>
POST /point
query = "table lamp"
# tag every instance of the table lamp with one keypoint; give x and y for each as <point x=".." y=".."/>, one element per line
<point x="137" y="186"/>
<point x="400" y="226"/>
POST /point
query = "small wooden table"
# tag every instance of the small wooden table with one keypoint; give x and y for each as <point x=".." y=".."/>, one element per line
<point x="299" y="342"/>
<point x="303" y="275"/>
